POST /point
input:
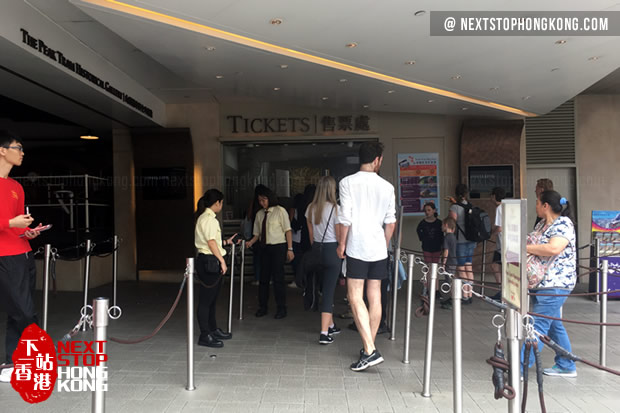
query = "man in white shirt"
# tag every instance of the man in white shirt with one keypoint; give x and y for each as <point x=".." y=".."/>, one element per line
<point x="367" y="217"/>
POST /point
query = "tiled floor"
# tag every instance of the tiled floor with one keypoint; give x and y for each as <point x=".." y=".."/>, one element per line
<point x="277" y="365"/>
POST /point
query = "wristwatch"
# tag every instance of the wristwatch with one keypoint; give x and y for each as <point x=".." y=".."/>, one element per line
<point x="290" y="249"/>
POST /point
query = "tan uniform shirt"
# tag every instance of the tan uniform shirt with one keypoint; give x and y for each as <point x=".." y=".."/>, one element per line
<point x="277" y="224"/>
<point x="208" y="228"/>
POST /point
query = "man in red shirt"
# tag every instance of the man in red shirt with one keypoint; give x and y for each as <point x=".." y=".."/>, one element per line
<point x="17" y="268"/>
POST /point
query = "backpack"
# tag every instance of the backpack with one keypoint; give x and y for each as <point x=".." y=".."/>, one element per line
<point x="477" y="223"/>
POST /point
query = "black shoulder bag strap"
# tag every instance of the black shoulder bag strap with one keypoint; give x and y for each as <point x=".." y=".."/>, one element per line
<point x="327" y="225"/>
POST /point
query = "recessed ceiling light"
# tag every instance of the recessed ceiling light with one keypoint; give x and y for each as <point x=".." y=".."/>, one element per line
<point x="391" y="91"/>
<point x="324" y="98"/>
<point x="351" y="45"/>
<point x="276" y="88"/>
<point x="555" y="69"/>
<point x="594" y="58"/>
<point x="430" y="100"/>
<point x="366" y="106"/>
<point x="419" y="13"/>
<point x="283" y="66"/>
<point x="276" y="21"/>
<point x="464" y="108"/>
<point x="89" y="137"/>
<point x="560" y="42"/>
<point x="526" y="97"/>
<point x="219" y="76"/>
<point x="342" y="80"/>
<point x="210" y="49"/>
<point x="410" y="62"/>
<point x="456" y="77"/>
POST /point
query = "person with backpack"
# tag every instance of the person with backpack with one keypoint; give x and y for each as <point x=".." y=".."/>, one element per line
<point x="321" y="217"/>
<point x="464" y="247"/>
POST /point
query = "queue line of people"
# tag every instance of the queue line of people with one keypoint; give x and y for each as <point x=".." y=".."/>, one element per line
<point x="358" y="230"/>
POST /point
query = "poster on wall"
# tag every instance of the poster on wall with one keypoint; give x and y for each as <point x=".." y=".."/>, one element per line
<point x="418" y="181"/>
<point x="606" y="221"/>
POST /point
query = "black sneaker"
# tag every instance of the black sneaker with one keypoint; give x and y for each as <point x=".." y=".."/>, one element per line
<point x="325" y="339"/>
<point x="367" y="361"/>
<point x="334" y="330"/>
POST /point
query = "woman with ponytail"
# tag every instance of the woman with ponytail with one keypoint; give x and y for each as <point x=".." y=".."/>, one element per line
<point x="553" y="244"/>
<point x="210" y="266"/>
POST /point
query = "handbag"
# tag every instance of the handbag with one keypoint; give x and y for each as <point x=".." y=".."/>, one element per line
<point x="312" y="261"/>
<point x="537" y="266"/>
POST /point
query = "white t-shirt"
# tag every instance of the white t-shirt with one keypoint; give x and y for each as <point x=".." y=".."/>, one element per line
<point x="498" y="223"/>
<point x="318" y="230"/>
<point x="367" y="203"/>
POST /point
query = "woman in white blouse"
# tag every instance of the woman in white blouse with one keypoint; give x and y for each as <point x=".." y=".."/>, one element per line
<point x="321" y="216"/>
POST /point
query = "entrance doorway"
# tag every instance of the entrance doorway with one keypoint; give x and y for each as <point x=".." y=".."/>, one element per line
<point x="285" y="167"/>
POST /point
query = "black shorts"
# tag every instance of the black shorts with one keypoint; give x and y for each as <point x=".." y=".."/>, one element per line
<point x="367" y="270"/>
<point x="497" y="257"/>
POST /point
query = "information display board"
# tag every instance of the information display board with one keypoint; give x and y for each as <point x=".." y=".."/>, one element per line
<point x="514" y="259"/>
<point x="418" y="181"/>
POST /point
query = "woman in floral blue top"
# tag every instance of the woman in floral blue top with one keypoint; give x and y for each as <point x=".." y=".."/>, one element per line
<point x="556" y="246"/>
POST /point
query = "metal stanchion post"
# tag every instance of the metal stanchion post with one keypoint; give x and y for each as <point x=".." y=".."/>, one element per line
<point x="46" y="282"/>
<point x="513" y="334"/>
<point x="189" y="268"/>
<point x="399" y="238"/>
<point x="603" y="329"/>
<point x="597" y="251"/>
<point x="232" y="287"/>
<point x="114" y="272"/>
<point x="86" y="277"/>
<point x="241" y="274"/>
<point x="484" y="266"/>
<point x="100" y="326"/>
<point x="410" y="262"/>
<point x="428" y="355"/>
<point x="457" y="356"/>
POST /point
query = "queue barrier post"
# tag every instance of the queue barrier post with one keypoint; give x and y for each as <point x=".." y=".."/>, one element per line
<point x="410" y="262"/>
<point x="514" y="331"/>
<point x="428" y="355"/>
<point x="597" y="252"/>
<point x="189" y="272"/>
<point x="399" y="238"/>
<point x="232" y="287"/>
<point x="484" y="266"/>
<point x="46" y="283"/>
<point x="115" y="246"/>
<point x="603" y="328"/>
<point x="241" y="277"/>
<point x="457" y="349"/>
<point x="100" y="327"/>
<point x="86" y="277"/>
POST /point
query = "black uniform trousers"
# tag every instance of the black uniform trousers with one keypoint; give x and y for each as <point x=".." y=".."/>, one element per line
<point x="211" y="283"/>
<point x="17" y="283"/>
<point x="272" y="258"/>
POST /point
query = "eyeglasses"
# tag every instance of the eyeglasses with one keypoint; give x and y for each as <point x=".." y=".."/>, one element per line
<point x="19" y="148"/>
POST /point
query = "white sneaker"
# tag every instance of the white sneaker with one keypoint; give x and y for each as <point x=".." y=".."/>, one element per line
<point x="5" y="376"/>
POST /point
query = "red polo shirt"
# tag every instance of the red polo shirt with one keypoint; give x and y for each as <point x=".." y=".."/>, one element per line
<point x="11" y="205"/>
